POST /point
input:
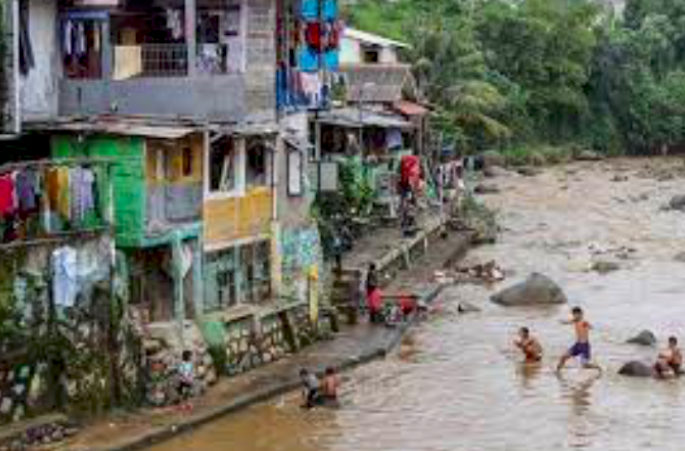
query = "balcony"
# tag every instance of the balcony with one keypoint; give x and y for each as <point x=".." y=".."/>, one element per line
<point x="137" y="63"/>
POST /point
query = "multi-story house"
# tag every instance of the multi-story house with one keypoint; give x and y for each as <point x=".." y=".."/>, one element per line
<point x="208" y="165"/>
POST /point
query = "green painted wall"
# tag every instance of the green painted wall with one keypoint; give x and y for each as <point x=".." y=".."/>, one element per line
<point x="128" y="172"/>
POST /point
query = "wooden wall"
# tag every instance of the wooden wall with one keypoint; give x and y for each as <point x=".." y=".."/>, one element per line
<point x="237" y="218"/>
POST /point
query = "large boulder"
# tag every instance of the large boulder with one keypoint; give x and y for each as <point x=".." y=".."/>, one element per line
<point x="644" y="338"/>
<point x="677" y="203"/>
<point x="538" y="289"/>
<point x="636" y="369"/>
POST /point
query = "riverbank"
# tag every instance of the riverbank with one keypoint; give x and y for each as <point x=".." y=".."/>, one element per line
<point x="352" y="346"/>
<point x="457" y="382"/>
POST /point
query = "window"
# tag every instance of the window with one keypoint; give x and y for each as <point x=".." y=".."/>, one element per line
<point x="82" y="47"/>
<point x="255" y="262"/>
<point x="187" y="162"/>
<point x="371" y="54"/>
<point x="257" y="162"/>
<point x="222" y="267"/>
<point x="223" y="166"/>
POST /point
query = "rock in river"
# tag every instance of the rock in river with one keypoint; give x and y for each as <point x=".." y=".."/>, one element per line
<point x="486" y="189"/>
<point x="644" y="338"/>
<point x="677" y="203"/>
<point x="636" y="369"/>
<point x="536" y="290"/>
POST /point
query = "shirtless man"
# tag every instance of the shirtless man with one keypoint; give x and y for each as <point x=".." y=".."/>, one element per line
<point x="529" y="345"/>
<point x="670" y="361"/>
<point x="581" y="348"/>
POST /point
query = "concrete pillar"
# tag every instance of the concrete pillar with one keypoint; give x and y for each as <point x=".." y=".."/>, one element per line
<point x="107" y="51"/>
<point x="191" y="36"/>
<point x="179" y="302"/>
<point x="198" y="282"/>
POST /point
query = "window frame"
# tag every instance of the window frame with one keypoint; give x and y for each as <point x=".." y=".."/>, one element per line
<point x="239" y="172"/>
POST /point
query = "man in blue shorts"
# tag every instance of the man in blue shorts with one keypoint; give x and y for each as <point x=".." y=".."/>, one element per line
<point x="581" y="349"/>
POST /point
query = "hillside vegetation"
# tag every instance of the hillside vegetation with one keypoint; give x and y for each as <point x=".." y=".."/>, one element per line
<point x="505" y="74"/>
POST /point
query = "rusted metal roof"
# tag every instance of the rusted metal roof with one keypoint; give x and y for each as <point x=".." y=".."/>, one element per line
<point x="410" y="108"/>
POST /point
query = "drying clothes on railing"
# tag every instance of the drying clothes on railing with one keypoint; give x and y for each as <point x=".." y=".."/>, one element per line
<point x="26" y="187"/>
<point x="64" y="277"/>
<point x="35" y="202"/>
<point x="81" y="190"/>
<point x="7" y="197"/>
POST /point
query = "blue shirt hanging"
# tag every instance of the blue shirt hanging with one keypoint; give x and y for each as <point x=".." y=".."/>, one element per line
<point x="310" y="9"/>
<point x="308" y="59"/>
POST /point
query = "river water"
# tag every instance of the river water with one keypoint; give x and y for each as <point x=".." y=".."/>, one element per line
<point x="456" y="384"/>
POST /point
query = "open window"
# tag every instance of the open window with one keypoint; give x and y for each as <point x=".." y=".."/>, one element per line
<point x="258" y="163"/>
<point x="371" y="54"/>
<point x="224" y="164"/>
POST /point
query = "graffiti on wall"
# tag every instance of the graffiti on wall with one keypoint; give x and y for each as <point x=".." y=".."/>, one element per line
<point x="301" y="256"/>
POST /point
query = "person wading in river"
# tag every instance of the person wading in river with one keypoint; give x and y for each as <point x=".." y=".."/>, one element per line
<point x="670" y="361"/>
<point x="529" y="345"/>
<point x="581" y="348"/>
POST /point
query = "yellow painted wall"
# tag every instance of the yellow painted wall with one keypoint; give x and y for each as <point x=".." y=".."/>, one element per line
<point x="174" y="150"/>
<point x="237" y="218"/>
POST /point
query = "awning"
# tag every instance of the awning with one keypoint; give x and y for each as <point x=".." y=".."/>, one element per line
<point x="353" y="118"/>
<point x="122" y="128"/>
<point x="410" y="109"/>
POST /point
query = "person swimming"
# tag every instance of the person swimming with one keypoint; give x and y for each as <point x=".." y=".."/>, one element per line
<point x="581" y="349"/>
<point x="311" y="389"/>
<point x="670" y="361"/>
<point x="329" y="387"/>
<point x="529" y="345"/>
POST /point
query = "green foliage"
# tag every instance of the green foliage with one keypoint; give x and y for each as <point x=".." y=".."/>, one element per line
<point x="504" y="74"/>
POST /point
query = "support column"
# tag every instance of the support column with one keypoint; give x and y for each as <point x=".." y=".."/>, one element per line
<point x="198" y="283"/>
<point x="179" y="301"/>
<point x="191" y="36"/>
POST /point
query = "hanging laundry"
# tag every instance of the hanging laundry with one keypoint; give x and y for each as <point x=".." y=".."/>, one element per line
<point x="81" y="190"/>
<point x="330" y="9"/>
<point x="67" y="38"/>
<point x="25" y="189"/>
<point x="308" y="60"/>
<point x="62" y="199"/>
<point x="80" y="47"/>
<point x="7" y="196"/>
<point x="64" y="277"/>
<point x="313" y="36"/>
<point x="313" y="9"/>
<point x="393" y="139"/>
<point x="332" y="60"/>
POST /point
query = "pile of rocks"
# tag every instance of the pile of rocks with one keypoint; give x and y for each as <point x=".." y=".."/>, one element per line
<point x="163" y="354"/>
<point x="43" y="434"/>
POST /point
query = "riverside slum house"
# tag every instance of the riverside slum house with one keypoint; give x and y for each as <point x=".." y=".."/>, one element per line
<point x="379" y="119"/>
<point x="216" y="251"/>
<point x="58" y="288"/>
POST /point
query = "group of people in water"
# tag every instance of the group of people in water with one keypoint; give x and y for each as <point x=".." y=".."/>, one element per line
<point x="668" y="364"/>
<point x="319" y="391"/>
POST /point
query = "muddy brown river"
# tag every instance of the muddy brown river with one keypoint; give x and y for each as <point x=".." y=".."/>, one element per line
<point x="456" y="384"/>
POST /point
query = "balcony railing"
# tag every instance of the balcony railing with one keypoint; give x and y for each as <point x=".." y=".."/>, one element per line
<point x="164" y="60"/>
<point x="169" y="60"/>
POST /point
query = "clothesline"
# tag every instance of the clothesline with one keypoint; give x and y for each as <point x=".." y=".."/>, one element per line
<point x="19" y="165"/>
<point x="55" y="237"/>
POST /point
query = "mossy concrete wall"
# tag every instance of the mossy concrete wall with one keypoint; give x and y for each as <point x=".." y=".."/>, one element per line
<point x="81" y="357"/>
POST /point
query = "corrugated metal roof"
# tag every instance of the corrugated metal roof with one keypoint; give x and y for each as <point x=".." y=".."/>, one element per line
<point x="373" y="39"/>
<point x="386" y="83"/>
<point x="119" y="128"/>
<point x="351" y="118"/>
